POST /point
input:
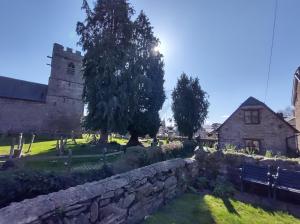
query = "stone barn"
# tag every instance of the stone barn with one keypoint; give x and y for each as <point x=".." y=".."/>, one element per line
<point x="254" y="125"/>
<point x="56" y="108"/>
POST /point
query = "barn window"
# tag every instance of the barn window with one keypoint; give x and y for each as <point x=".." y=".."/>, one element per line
<point x="251" y="117"/>
<point x="252" y="144"/>
<point x="71" y="68"/>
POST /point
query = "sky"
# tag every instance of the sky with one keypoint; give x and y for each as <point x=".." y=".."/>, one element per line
<point x="225" y="43"/>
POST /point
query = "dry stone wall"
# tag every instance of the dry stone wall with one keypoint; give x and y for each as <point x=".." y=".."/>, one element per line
<point x="124" y="198"/>
<point x="228" y="163"/>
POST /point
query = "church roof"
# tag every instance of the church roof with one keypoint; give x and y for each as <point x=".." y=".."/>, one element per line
<point x="22" y="90"/>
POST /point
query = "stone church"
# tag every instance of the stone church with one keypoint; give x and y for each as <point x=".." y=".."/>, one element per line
<point x="56" y="108"/>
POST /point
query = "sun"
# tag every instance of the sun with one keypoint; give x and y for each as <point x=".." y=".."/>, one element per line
<point x="161" y="48"/>
<point x="157" y="48"/>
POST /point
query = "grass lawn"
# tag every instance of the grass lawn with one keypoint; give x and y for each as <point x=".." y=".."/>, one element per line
<point x="38" y="159"/>
<point x="47" y="148"/>
<point x="207" y="209"/>
<point x="60" y="164"/>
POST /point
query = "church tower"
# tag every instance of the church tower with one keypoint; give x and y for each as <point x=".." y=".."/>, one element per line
<point x="65" y="87"/>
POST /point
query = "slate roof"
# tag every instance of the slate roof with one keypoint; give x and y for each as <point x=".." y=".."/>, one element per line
<point x="23" y="90"/>
<point x="251" y="101"/>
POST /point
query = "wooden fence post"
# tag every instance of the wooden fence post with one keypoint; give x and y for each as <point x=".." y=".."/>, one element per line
<point x="21" y="148"/>
<point x="12" y="148"/>
<point x="61" y="146"/>
<point x="57" y="147"/>
<point x="73" y="138"/>
<point x="21" y="144"/>
<point x="31" y="142"/>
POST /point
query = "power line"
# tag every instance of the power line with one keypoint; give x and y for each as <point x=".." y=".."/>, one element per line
<point x="271" y="51"/>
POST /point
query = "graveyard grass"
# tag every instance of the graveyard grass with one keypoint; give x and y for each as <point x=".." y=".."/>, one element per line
<point x="47" y="148"/>
<point x="207" y="209"/>
<point x="43" y="155"/>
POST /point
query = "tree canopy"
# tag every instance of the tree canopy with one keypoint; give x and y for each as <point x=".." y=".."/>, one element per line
<point x="123" y="75"/>
<point x="190" y="105"/>
<point x="148" y="65"/>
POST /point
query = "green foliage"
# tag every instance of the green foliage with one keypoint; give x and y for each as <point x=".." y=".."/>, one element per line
<point x="230" y="147"/>
<point x="27" y="183"/>
<point x="123" y="75"/>
<point x="20" y="185"/>
<point x="202" y="183"/>
<point x="150" y="93"/>
<point x="190" y="105"/>
<point x="172" y="150"/>
<point x="222" y="188"/>
<point x="106" y="35"/>
<point x="269" y="154"/>
<point x="250" y="150"/>
<point x="138" y="156"/>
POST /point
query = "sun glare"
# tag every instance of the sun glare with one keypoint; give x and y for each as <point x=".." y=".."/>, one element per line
<point x="161" y="48"/>
<point x="157" y="48"/>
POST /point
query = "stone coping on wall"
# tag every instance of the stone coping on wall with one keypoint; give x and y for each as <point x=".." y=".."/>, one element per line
<point x="123" y="198"/>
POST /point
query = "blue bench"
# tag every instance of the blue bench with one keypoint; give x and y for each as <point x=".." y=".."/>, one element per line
<point x="256" y="174"/>
<point x="286" y="180"/>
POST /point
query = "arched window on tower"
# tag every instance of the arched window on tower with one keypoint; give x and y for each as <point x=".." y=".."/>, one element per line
<point x="71" y="68"/>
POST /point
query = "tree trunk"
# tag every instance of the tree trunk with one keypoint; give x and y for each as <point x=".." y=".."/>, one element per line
<point x="103" y="137"/>
<point x="134" y="140"/>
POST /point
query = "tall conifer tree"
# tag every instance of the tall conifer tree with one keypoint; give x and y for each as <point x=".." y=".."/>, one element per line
<point x="106" y="38"/>
<point x="148" y="67"/>
<point x="190" y="105"/>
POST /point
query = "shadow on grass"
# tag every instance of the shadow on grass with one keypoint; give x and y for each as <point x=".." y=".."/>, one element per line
<point x="230" y="208"/>
<point x="189" y="208"/>
<point x="207" y="209"/>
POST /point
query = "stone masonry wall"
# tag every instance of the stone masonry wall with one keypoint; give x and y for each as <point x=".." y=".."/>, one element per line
<point x="272" y="132"/>
<point x="17" y="116"/>
<point x="58" y="115"/>
<point x="227" y="164"/>
<point x="62" y="111"/>
<point x="124" y="198"/>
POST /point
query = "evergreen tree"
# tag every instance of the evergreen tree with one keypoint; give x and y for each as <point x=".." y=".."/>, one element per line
<point x="147" y="68"/>
<point x="190" y="105"/>
<point x="106" y="38"/>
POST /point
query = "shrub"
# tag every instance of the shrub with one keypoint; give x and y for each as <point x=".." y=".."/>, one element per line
<point x="222" y="188"/>
<point x="189" y="147"/>
<point x="230" y="147"/>
<point x="202" y="183"/>
<point x="269" y="154"/>
<point x="178" y="149"/>
<point x="216" y="146"/>
<point x="250" y="151"/>
<point x="172" y="150"/>
<point x="20" y="185"/>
